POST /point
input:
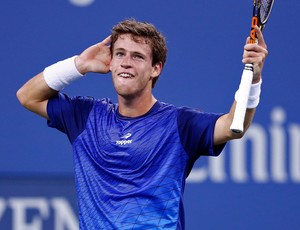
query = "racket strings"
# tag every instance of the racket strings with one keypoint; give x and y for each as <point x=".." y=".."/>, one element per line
<point x="265" y="9"/>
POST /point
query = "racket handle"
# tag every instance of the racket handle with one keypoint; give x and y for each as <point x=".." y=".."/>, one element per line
<point x="237" y="125"/>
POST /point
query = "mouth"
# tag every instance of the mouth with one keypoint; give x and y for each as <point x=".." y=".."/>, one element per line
<point x="125" y="75"/>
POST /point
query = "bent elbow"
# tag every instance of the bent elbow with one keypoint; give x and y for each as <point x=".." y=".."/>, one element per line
<point x="24" y="98"/>
<point x="21" y="96"/>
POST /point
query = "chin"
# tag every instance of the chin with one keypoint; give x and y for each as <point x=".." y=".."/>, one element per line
<point x="125" y="92"/>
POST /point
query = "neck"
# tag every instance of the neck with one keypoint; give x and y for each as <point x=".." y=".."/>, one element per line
<point x="135" y="107"/>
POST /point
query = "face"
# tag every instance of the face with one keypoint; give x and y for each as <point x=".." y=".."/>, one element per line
<point x="131" y="67"/>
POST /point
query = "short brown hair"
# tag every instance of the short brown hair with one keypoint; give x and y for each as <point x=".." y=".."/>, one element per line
<point x="153" y="37"/>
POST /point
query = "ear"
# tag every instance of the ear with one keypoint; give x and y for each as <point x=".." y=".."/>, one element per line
<point x="156" y="70"/>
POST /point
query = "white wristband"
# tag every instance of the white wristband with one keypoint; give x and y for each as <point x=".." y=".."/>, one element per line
<point x="61" y="74"/>
<point x="254" y="95"/>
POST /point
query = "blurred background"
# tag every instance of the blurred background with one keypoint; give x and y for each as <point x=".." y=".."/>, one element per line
<point x="254" y="184"/>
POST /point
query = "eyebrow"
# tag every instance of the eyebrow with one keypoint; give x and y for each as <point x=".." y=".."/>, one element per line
<point x="132" y="52"/>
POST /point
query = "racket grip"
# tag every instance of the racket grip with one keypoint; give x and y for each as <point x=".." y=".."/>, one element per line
<point x="237" y="125"/>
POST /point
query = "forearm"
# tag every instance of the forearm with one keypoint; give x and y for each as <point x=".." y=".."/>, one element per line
<point x="249" y="115"/>
<point x="34" y="95"/>
<point x="255" y="54"/>
<point x="223" y="132"/>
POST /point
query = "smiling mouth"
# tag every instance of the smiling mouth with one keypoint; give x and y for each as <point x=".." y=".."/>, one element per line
<point x="125" y="75"/>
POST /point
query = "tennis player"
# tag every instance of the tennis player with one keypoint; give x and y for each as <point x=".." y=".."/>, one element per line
<point x="132" y="158"/>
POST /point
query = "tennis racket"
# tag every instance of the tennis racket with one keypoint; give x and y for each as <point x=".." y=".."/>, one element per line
<point x="261" y="14"/>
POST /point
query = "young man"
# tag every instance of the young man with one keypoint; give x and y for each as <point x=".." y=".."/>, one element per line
<point x="131" y="159"/>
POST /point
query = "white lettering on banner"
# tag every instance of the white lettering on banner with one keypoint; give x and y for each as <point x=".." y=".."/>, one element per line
<point x="278" y="137"/>
<point x="81" y="3"/>
<point x="270" y="151"/>
<point x="21" y="205"/>
<point x="295" y="152"/>
<point x="64" y="217"/>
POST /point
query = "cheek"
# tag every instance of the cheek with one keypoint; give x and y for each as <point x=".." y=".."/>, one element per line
<point x="113" y="64"/>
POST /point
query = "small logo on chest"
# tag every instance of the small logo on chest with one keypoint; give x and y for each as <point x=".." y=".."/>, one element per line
<point x="124" y="139"/>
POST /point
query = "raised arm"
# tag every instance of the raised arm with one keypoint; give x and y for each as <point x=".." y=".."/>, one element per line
<point x="256" y="54"/>
<point x="35" y="93"/>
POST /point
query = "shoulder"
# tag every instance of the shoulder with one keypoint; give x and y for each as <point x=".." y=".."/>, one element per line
<point x="189" y="114"/>
<point x="78" y="101"/>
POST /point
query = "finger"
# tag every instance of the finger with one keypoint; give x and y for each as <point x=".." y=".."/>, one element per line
<point x="260" y="37"/>
<point x="107" y="40"/>
<point x="248" y="40"/>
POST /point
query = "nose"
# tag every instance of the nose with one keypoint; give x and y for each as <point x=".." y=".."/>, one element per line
<point x="126" y="61"/>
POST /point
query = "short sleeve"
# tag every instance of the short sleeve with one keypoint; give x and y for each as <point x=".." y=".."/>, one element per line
<point x="69" y="115"/>
<point x="196" y="130"/>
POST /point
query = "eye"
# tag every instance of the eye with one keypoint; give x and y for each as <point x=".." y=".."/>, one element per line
<point x="138" y="57"/>
<point x="119" y="54"/>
